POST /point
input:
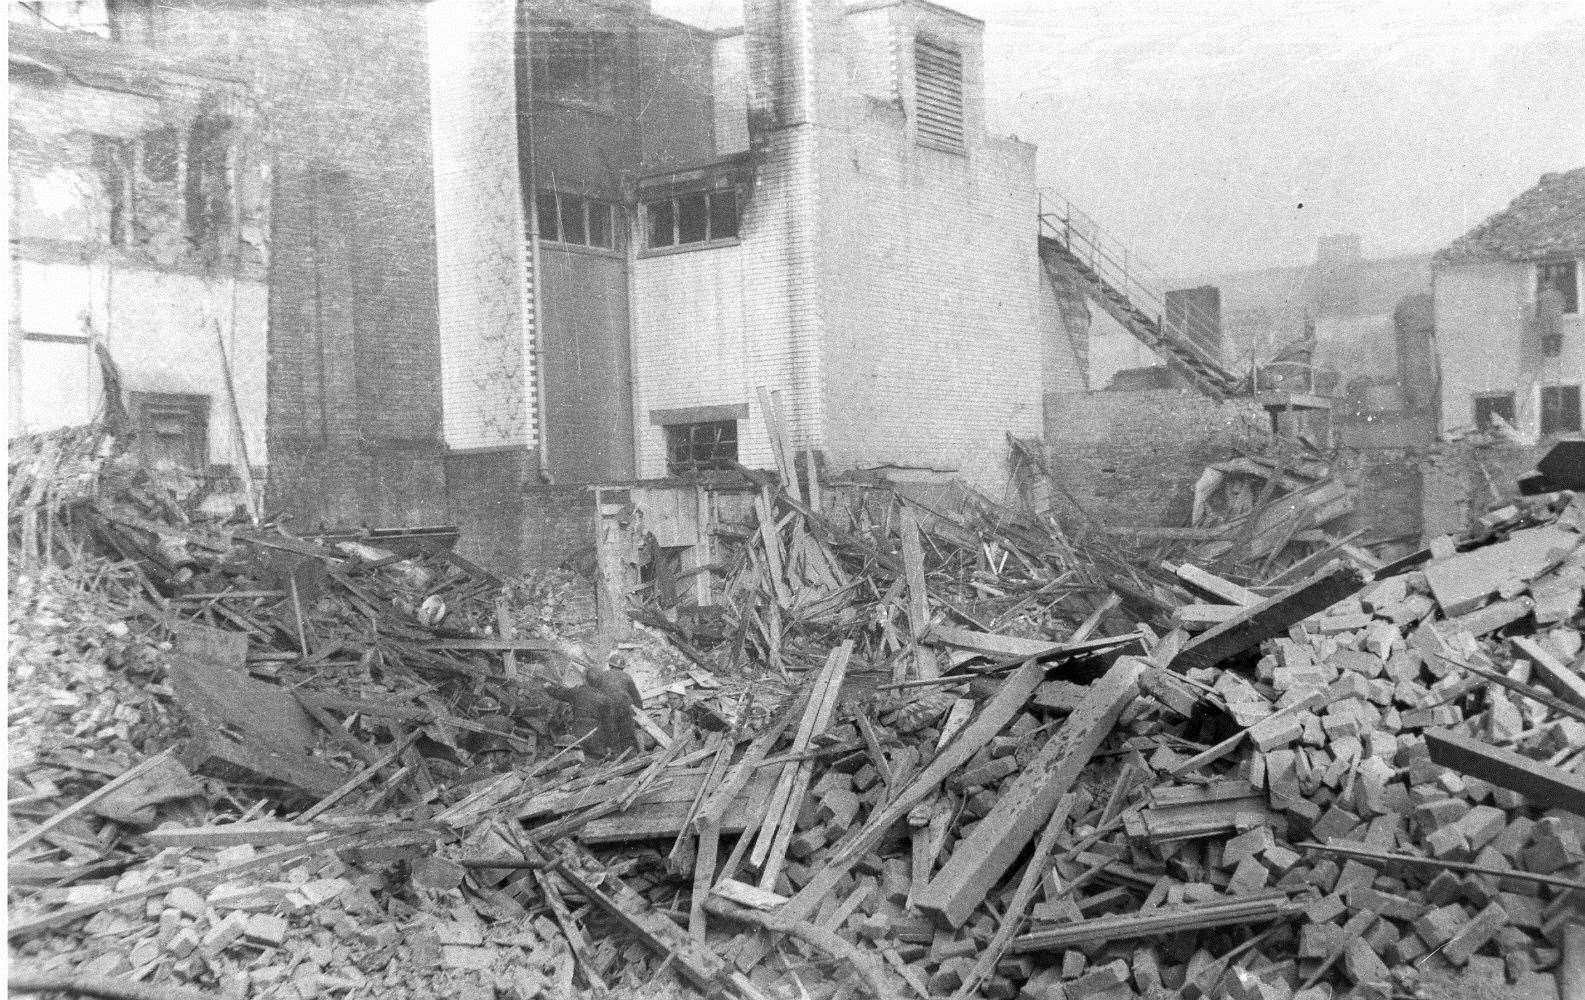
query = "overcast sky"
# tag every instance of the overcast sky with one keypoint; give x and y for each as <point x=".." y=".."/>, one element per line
<point x="1228" y="135"/>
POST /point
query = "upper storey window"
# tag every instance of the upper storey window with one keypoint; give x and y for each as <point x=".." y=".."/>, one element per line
<point x="574" y="67"/>
<point x="938" y="95"/>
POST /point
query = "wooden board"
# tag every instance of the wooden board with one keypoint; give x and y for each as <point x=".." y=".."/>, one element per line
<point x="1271" y="617"/>
<point x="978" y="863"/>
<point x="996" y="714"/>
<point x="663" y="810"/>
<point x="1542" y="783"/>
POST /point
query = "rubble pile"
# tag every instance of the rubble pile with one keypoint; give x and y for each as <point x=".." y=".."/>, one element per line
<point x="1365" y="781"/>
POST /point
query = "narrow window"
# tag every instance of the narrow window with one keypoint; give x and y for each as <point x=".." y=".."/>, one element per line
<point x="1493" y="404"/>
<point x="693" y="218"/>
<point x="723" y="214"/>
<point x="710" y="446"/>
<point x="573" y="229"/>
<point x="602" y="231"/>
<point x="938" y="95"/>
<point x="1560" y="409"/>
<point x="208" y="180"/>
<point x="1562" y="279"/>
<point x="549" y="216"/>
<point x="662" y="217"/>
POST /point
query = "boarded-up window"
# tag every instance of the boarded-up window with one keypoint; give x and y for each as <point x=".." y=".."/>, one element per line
<point x="709" y="446"/>
<point x="1560" y="409"/>
<point x="1498" y="403"/>
<point x="576" y="67"/>
<point x="938" y="95"/>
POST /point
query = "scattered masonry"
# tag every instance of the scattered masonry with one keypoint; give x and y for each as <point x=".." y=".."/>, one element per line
<point x="915" y="761"/>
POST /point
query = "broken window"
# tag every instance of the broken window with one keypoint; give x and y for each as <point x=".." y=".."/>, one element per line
<point x="573" y="66"/>
<point x="113" y="160"/>
<point x="1493" y="403"/>
<point x="208" y="191"/>
<point x="1562" y="277"/>
<point x="579" y="221"/>
<point x="692" y="217"/>
<point x="938" y="95"/>
<point x="1560" y="409"/>
<point x="709" y="446"/>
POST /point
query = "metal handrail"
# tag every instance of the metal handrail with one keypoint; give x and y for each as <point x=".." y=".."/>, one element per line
<point x="1116" y="265"/>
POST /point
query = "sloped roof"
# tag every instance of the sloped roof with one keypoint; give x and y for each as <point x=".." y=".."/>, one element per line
<point x="1546" y="221"/>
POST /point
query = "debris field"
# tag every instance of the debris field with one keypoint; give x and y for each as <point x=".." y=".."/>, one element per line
<point x="940" y="747"/>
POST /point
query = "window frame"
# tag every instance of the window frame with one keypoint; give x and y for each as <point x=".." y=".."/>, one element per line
<point x="598" y="91"/>
<point x="674" y="199"/>
<point x="587" y="208"/>
<point x="1542" y="409"/>
<point x="1571" y="297"/>
<point x="932" y="127"/>
<point x="695" y="467"/>
<point x="1512" y="411"/>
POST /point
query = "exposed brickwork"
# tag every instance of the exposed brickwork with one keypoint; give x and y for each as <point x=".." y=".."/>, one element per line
<point x="344" y="102"/>
<point x="1131" y="458"/>
<point x="511" y="523"/>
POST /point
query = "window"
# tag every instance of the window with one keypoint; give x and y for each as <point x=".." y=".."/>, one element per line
<point x="577" y="221"/>
<point x="1563" y="276"/>
<point x="574" y="67"/>
<point x="710" y="446"/>
<point x="692" y="217"/>
<point x="938" y="95"/>
<point x="1560" y="409"/>
<point x="113" y="160"/>
<point x="86" y="16"/>
<point x="1499" y="403"/>
<point x="208" y="180"/>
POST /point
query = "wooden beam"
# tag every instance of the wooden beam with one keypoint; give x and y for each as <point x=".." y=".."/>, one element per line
<point x="89" y="800"/>
<point x="1541" y="783"/>
<point x="1565" y="683"/>
<point x="996" y="714"/>
<point x="1163" y="921"/>
<point x="1223" y="590"/>
<point x="1271" y="617"/>
<point x="979" y="862"/>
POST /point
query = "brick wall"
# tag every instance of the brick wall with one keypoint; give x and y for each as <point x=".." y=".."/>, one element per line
<point x="342" y="93"/>
<point x="934" y="334"/>
<point x="509" y="522"/>
<point x="1131" y="458"/>
<point x="1464" y="479"/>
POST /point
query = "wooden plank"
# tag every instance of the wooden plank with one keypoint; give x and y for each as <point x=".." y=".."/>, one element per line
<point x="492" y="645"/>
<point x="979" y="862"/>
<point x="1541" y="783"/>
<point x="771" y="540"/>
<point x="1213" y="585"/>
<point x="1013" y="919"/>
<point x="88" y="801"/>
<point x="358" y="780"/>
<point x="1162" y="921"/>
<point x="662" y="811"/>
<point x="1565" y="683"/>
<point x="836" y="666"/>
<point x="997" y="713"/>
<point x="1271" y="617"/>
<point x="819" y="695"/>
<point x="19" y="929"/>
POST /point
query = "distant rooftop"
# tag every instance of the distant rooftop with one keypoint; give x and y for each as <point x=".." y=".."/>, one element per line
<point x="1546" y="221"/>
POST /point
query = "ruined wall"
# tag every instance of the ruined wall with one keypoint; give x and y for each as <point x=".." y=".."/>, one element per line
<point x="510" y="522"/>
<point x="130" y="226"/>
<point x="1131" y="458"/>
<point x="1488" y="342"/>
<point x="355" y="390"/>
<point x="1464" y="479"/>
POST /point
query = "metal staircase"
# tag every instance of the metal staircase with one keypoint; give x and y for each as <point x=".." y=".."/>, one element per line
<point x="1134" y="295"/>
